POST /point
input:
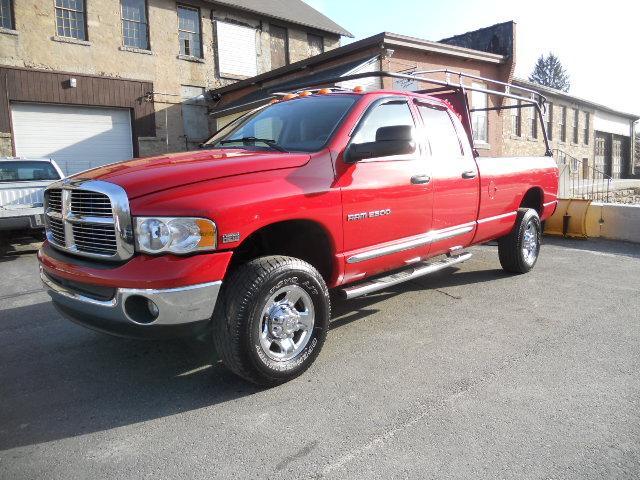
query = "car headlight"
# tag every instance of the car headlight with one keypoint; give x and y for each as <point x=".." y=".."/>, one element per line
<point x="175" y="234"/>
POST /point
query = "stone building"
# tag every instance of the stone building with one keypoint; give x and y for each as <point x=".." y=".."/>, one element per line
<point x="593" y="139"/>
<point x="88" y="82"/>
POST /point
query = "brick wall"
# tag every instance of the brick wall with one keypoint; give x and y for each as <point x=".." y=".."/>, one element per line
<point x="527" y="145"/>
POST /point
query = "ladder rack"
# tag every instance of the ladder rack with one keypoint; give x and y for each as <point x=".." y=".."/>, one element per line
<point x="535" y="99"/>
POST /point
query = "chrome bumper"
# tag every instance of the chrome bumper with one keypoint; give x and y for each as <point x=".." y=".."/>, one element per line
<point x="176" y="307"/>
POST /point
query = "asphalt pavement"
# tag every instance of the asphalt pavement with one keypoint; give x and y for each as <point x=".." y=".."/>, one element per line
<point x="469" y="373"/>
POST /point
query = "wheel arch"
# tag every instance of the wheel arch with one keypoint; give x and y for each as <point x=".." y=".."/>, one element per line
<point x="305" y="239"/>
<point x="533" y="198"/>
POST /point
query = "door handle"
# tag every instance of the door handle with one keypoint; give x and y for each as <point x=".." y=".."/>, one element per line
<point x="419" y="179"/>
<point x="469" y="174"/>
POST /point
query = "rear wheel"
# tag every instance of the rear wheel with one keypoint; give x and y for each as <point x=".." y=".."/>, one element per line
<point x="271" y="319"/>
<point x="519" y="250"/>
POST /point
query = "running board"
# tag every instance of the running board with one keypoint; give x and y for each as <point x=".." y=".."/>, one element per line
<point x="414" y="271"/>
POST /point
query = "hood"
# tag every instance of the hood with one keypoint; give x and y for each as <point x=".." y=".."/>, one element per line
<point x="143" y="176"/>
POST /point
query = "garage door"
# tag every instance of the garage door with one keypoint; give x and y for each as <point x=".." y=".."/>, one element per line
<point x="77" y="138"/>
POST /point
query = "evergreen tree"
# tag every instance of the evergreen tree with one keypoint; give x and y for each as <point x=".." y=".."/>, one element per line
<point x="550" y="73"/>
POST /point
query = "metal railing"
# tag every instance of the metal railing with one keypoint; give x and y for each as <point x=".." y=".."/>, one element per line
<point x="581" y="180"/>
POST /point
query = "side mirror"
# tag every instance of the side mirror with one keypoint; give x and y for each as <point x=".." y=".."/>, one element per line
<point x="394" y="140"/>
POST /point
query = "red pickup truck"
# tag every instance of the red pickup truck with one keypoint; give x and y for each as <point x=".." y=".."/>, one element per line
<point x="324" y="189"/>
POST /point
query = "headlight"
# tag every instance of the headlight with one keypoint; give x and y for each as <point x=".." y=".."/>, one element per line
<point x="175" y="234"/>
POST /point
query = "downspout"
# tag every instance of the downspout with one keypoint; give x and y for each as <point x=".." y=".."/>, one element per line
<point x="634" y="160"/>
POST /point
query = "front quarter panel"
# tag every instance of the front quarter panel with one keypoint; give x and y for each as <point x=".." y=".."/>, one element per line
<point x="242" y="204"/>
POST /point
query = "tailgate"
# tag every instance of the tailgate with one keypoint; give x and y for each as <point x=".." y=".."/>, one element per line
<point x="19" y="198"/>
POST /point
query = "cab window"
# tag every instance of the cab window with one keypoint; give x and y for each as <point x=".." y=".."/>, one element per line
<point x="441" y="132"/>
<point x="392" y="113"/>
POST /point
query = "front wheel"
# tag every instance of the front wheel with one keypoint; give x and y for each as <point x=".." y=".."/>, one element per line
<point x="519" y="250"/>
<point x="271" y="319"/>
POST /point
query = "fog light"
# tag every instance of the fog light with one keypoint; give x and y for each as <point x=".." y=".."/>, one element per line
<point x="153" y="309"/>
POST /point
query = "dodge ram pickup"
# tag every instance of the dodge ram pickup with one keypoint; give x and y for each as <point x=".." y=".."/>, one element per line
<point x="325" y="189"/>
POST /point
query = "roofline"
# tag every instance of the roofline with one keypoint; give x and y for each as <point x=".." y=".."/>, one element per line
<point x="304" y="64"/>
<point x="560" y="93"/>
<point x="395" y="39"/>
<point x="383" y="40"/>
<point x="342" y="32"/>
<point x="478" y="30"/>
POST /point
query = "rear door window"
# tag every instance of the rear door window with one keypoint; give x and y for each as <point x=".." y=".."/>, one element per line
<point x="441" y="132"/>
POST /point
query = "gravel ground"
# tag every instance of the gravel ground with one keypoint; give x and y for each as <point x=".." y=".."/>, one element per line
<point x="469" y="373"/>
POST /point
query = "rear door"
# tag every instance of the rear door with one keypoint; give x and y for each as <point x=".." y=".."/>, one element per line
<point x="387" y="200"/>
<point x="455" y="179"/>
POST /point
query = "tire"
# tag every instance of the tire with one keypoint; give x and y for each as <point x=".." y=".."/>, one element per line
<point x="519" y="250"/>
<point x="260" y="331"/>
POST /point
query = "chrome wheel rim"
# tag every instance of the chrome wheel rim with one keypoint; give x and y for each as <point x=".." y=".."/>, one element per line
<point x="530" y="244"/>
<point x="287" y="323"/>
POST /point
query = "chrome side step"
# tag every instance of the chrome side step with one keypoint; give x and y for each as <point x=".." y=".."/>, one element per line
<point x="414" y="271"/>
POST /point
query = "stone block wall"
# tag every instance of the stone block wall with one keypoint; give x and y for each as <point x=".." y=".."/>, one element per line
<point x="527" y="145"/>
<point x="34" y="45"/>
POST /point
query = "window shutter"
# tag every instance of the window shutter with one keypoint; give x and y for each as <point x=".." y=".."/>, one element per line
<point x="236" y="50"/>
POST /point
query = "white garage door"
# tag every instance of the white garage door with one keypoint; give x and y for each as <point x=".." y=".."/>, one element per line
<point x="77" y="138"/>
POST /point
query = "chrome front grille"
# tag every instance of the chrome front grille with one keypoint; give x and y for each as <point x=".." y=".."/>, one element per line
<point x="56" y="228"/>
<point x="54" y="199"/>
<point x="90" y="204"/>
<point x="89" y="218"/>
<point x="99" y="239"/>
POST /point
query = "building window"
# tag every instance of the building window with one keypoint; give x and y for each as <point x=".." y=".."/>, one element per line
<point x="189" y="31"/>
<point x="549" y="120"/>
<point x="576" y="122"/>
<point x="533" y="131"/>
<point x="279" y="46"/>
<point x="586" y="128"/>
<point x="479" y="118"/>
<point x="135" y="32"/>
<point x="236" y="49"/>
<point x="70" y="19"/>
<point x="563" y="125"/>
<point x="316" y="44"/>
<point x="6" y="14"/>
<point x="516" y="118"/>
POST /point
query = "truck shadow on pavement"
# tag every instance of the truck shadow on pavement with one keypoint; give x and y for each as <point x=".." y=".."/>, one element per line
<point x="60" y="380"/>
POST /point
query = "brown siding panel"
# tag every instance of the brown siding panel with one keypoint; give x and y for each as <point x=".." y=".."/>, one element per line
<point x="51" y="87"/>
<point x="5" y="125"/>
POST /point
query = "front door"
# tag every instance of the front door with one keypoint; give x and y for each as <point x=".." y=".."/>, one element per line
<point x="386" y="201"/>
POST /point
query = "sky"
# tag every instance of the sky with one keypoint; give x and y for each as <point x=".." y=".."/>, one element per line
<point x="595" y="42"/>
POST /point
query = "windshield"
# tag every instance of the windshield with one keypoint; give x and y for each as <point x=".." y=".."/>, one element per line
<point x="27" y="171"/>
<point x="300" y="125"/>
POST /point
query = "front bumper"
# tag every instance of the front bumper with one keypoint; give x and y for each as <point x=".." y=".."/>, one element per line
<point x="21" y="222"/>
<point x="180" y="311"/>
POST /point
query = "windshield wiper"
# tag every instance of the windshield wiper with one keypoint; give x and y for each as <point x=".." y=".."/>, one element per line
<point x="267" y="141"/>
